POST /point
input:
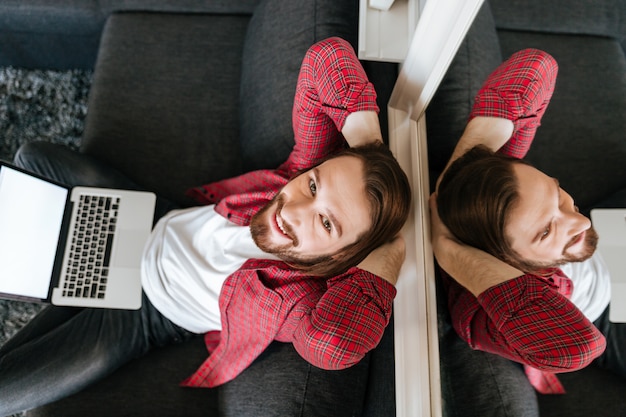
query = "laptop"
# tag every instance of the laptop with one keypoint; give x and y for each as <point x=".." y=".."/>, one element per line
<point x="71" y="246"/>
<point x="611" y="227"/>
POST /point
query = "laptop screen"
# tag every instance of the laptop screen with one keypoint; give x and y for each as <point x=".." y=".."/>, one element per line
<point x="31" y="214"/>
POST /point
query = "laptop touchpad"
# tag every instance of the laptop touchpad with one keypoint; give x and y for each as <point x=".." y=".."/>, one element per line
<point x="128" y="248"/>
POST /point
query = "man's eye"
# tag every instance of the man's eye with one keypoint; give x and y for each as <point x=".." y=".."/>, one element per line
<point x="312" y="187"/>
<point x="326" y="224"/>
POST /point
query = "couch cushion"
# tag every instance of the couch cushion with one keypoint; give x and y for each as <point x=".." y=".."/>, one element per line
<point x="597" y="17"/>
<point x="64" y="34"/>
<point x="280" y="383"/>
<point x="271" y="62"/>
<point x="163" y="106"/>
<point x="583" y="127"/>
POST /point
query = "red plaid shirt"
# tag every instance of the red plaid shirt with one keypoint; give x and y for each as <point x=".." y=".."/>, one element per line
<point x="332" y="323"/>
<point x="528" y="319"/>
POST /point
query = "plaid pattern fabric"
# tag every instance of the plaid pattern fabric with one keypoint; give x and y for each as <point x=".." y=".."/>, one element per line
<point x="332" y="323"/>
<point x="528" y="319"/>
<point x="518" y="90"/>
<point x="544" y="382"/>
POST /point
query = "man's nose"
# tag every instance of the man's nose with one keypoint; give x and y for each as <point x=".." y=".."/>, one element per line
<point x="295" y="211"/>
<point x="577" y="223"/>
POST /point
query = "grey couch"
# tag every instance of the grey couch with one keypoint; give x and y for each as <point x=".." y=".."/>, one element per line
<point x="187" y="92"/>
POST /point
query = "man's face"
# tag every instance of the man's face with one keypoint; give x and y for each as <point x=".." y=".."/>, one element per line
<point x="545" y="226"/>
<point x="317" y="213"/>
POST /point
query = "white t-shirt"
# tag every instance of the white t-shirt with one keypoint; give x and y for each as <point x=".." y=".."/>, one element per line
<point x="186" y="260"/>
<point x="592" y="285"/>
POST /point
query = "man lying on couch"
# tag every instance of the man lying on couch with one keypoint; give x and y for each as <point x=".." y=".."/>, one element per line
<point x="310" y="253"/>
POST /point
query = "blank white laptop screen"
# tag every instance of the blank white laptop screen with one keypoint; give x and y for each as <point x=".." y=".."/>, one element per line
<point x="29" y="235"/>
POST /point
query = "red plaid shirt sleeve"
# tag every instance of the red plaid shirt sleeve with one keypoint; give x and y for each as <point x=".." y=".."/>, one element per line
<point x="526" y="320"/>
<point x="331" y="85"/>
<point x="347" y="322"/>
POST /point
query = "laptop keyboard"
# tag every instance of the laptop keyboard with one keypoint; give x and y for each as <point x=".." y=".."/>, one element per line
<point x="90" y="252"/>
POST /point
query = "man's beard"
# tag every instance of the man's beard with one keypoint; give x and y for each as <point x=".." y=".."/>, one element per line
<point x="589" y="247"/>
<point x="260" y="231"/>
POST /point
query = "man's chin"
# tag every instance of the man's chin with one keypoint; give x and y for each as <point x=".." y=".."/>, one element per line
<point x="538" y="266"/>
<point x="286" y="253"/>
<point x="569" y="258"/>
<point x="260" y="236"/>
<point x="588" y="249"/>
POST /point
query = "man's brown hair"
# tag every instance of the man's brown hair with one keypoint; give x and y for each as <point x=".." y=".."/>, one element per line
<point x="474" y="197"/>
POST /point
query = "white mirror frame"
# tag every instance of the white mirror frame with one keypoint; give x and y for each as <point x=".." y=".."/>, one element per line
<point x="440" y="29"/>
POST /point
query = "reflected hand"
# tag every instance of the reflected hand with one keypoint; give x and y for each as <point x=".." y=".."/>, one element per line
<point x="439" y="232"/>
<point x="473" y="268"/>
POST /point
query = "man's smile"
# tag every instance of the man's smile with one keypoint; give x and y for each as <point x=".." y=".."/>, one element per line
<point x="282" y="227"/>
<point x="576" y="241"/>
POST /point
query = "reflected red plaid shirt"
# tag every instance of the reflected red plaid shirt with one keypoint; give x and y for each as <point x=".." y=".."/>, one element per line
<point x="528" y="319"/>
<point x="332" y="323"/>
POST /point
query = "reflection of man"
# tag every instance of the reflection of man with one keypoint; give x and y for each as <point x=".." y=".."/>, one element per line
<point x="502" y="229"/>
<point x="316" y="267"/>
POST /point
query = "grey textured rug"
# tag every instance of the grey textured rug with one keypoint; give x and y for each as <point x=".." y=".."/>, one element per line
<point x="38" y="105"/>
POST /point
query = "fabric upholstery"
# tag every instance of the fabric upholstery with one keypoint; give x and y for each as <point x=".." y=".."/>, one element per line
<point x="598" y="17"/>
<point x="290" y="386"/>
<point x="271" y="60"/>
<point x="65" y="34"/>
<point x="151" y="97"/>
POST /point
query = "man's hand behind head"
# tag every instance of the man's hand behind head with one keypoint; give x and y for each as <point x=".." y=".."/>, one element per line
<point x="473" y="268"/>
<point x="386" y="260"/>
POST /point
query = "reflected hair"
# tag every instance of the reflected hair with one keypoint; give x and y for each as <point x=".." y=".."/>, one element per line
<point x="474" y="198"/>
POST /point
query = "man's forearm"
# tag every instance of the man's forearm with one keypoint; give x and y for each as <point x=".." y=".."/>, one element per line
<point x="472" y="268"/>
<point x="527" y="321"/>
<point x="347" y="322"/>
<point x="362" y="128"/>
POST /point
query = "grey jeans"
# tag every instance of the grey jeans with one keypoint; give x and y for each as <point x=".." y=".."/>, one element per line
<point x="64" y="349"/>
